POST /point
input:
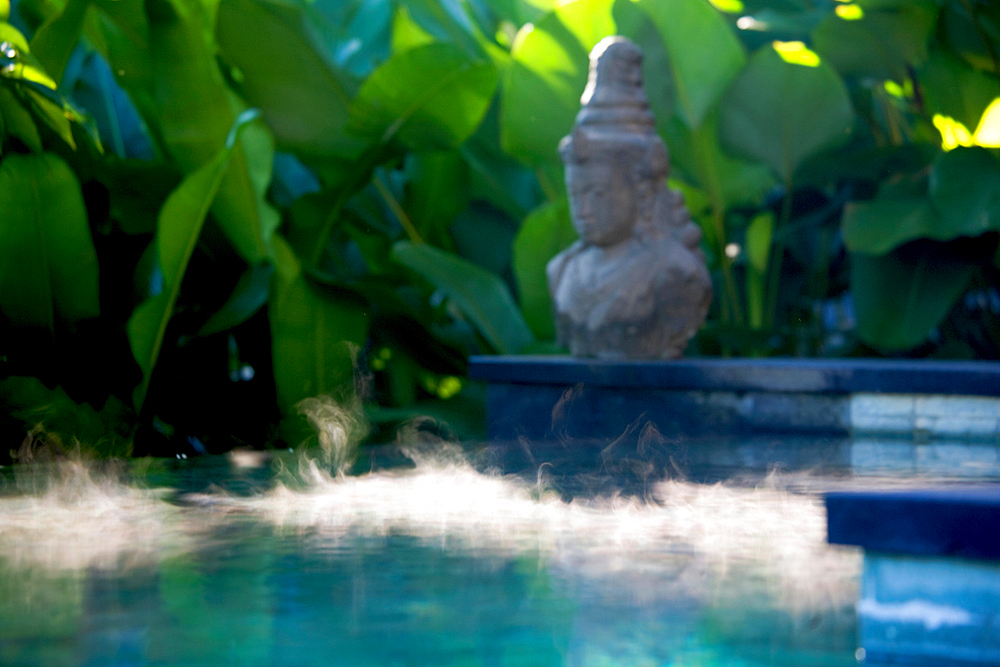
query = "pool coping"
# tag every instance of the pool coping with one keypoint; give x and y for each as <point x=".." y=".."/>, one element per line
<point x="836" y="376"/>
<point x="537" y="396"/>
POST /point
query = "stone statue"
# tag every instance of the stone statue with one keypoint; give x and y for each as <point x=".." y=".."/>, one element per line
<point x="635" y="285"/>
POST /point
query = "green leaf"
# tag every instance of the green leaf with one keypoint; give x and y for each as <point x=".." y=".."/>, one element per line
<point x="965" y="192"/>
<point x="705" y="54"/>
<point x="407" y="33"/>
<point x="430" y="97"/>
<point x="883" y="44"/>
<point x="48" y="265"/>
<point x="249" y="295"/>
<point x="178" y="228"/>
<point x="781" y="113"/>
<point x="952" y="88"/>
<point x="195" y="112"/>
<point x="546" y="231"/>
<point x="18" y="122"/>
<point x="901" y="296"/>
<point x="480" y="295"/>
<point x="303" y="98"/>
<point x="546" y="77"/>
<point x="876" y="227"/>
<point x="438" y="189"/>
<point x="312" y="335"/>
<point x="55" y="40"/>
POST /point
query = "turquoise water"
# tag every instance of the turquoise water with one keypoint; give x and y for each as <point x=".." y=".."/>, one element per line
<point x="437" y="564"/>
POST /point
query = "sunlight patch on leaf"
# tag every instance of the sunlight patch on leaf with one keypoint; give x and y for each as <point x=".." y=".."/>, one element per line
<point x="796" y="53"/>
<point x="850" y="12"/>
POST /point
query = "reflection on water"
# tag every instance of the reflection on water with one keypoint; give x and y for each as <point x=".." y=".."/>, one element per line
<point x="437" y="564"/>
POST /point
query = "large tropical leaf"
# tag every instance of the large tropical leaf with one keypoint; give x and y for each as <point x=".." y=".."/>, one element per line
<point x="544" y="233"/>
<point x="177" y="230"/>
<point x="480" y="295"/>
<point x="195" y="111"/>
<point x="429" y="97"/>
<point x="881" y="44"/>
<point x="964" y="200"/>
<point x="901" y="296"/>
<point x="304" y="99"/>
<point x="313" y="336"/>
<point x="55" y="40"/>
<point x="780" y="113"/>
<point x="48" y="265"/>
<point x="705" y="54"/>
<point x="546" y="77"/>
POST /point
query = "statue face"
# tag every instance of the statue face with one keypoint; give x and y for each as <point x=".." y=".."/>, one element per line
<point x="602" y="202"/>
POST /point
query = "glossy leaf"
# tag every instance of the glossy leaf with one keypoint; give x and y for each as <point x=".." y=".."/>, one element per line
<point x="55" y="40"/>
<point x="544" y="233"/>
<point x="780" y="114"/>
<point x="429" y="97"/>
<point x="883" y="44"/>
<point x="312" y="334"/>
<point x="952" y="88"/>
<point x="901" y="296"/>
<point x="546" y="77"/>
<point x="705" y="54"/>
<point x="195" y="112"/>
<point x="179" y="225"/>
<point x="480" y="295"/>
<point x="304" y="99"/>
<point x="965" y="191"/>
<point x="48" y="264"/>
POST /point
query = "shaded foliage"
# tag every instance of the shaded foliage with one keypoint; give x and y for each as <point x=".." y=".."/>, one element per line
<point x="213" y="209"/>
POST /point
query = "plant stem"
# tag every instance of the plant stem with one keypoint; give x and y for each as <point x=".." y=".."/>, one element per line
<point x="778" y="256"/>
<point x="709" y="176"/>
<point x="397" y="209"/>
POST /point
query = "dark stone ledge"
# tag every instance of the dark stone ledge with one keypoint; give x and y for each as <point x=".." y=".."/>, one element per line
<point x="956" y="521"/>
<point x="832" y="376"/>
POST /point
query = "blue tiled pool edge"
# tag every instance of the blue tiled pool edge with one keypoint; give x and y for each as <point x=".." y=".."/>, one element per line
<point x="930" y="591"/>
<point x="540" y="397"/>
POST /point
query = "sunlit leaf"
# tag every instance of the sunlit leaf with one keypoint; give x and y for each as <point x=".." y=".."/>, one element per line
<point x="313" y="335"/>
<point x="407" y="33"/>
<point x="705" y="54"/>
<point x="952" y="89"/>
<point x="546" y="77"/>
<point x="780" y="114"/>
<point x="429" y="97"/>
<point x="480" y="295"/>
<point x="55" y="40"/>
<point x="48" y="264"/>
<point x="195" y="112"/>
<point x="544" y="233"/>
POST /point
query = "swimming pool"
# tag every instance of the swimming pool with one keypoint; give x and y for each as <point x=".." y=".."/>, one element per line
<point x="442" y="562"/>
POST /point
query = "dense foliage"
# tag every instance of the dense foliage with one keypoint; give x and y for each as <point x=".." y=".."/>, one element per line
<point x="212" y="209"/>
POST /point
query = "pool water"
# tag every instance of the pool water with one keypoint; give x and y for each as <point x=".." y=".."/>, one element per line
<point x="437" y="563"/>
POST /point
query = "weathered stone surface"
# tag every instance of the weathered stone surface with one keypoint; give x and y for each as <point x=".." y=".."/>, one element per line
<point x="635" y="285"/>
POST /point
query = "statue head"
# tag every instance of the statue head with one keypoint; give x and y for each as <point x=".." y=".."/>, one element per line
<point x="615" y="161"/>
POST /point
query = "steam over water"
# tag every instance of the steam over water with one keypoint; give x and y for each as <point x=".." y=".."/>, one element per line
<point x="637" y="577"/>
